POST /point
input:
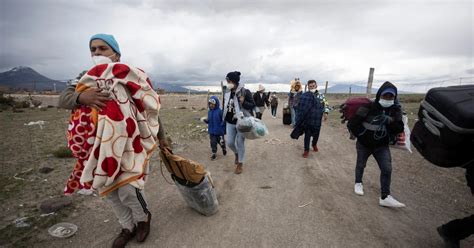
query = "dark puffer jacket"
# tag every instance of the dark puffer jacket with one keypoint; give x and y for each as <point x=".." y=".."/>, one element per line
<point x="387" y="121"/>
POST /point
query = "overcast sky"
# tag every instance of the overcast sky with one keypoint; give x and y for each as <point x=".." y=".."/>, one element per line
<point x="271" y="42"/>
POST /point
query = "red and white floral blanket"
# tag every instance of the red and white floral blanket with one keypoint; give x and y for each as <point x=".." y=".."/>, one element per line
<point x="113" y="146"/>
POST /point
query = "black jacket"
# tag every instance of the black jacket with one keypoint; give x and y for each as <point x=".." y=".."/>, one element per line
<point x="260" y="101"/>
<point x="388" y="120"/>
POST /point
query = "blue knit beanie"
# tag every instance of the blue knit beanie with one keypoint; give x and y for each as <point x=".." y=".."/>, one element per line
<point x="107" y="38"/>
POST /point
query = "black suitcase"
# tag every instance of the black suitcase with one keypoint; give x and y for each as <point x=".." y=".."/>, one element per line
<point x="444" y="134"/>
<point x="286" y="119"/>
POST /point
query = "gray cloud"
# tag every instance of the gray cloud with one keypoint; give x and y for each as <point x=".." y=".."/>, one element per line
<point x="268" y="41"/>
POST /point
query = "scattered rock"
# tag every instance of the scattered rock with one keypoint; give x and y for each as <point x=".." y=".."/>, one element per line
<point x="54" y="204"/>
<point x="45" y="170"/>
<point x="21" y="222"/>
<point x="266" y="187"/>
<point x="182" y="107"/>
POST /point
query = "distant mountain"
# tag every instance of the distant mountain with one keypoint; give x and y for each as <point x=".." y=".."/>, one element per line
<point x="344" y="88"/>
<point x="22" y="77"/>
<point x="173" y="88"/>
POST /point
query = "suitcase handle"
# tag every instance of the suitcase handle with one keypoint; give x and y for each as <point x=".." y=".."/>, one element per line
<point x="432" y="128"/>
<point x="431" y="120"/>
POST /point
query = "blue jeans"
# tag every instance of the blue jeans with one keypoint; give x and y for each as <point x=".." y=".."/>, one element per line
<point x="293" y="116"/>
<point x="274" y="111"/>
<point x="235" y="141"/>
<point x="384" y="160"/>
<point x="307" y="137"/>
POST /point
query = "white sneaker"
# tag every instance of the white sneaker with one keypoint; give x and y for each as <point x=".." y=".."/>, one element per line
<point x="390" y="202"/>
<point x="359" y="189"/>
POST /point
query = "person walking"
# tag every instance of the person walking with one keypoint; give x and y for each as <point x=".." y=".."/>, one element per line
<point x="216" y="126"/>
<point x="293" y="99"/>
<point x="274" y="104"/>
<point x="375" y="126"/>
<point x="103" y="92"/>
<point x="261" y="100"/>
<point x="237" y="101"/>
<point x="310" y="112"/>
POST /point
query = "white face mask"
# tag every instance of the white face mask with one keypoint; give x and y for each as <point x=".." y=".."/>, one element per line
<point x="312" y="90"/>
<point x="230" y="86"/>
<point x="386" y="103"/>
<point x="99" y="59"/>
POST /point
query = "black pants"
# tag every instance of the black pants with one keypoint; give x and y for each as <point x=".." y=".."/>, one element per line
<point x="274" y="110"/>
<point x="384" y="160"/>
<point x="216" y="139"/>
<point x="308" y="133"/>
<point x="460" y="228"/>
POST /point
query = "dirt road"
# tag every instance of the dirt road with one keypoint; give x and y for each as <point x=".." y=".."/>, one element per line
<point x="284" y="200"/>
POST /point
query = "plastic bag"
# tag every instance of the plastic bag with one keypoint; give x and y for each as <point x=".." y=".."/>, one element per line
<point x="244" y="124"/>
<point x="201" y="197"/>
<point x="258" y="130"/>
<point x="403" y="139"/>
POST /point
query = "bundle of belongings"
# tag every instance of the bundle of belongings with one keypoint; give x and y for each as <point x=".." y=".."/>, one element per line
<point x="349" y="109"/>
<point x="444" y="134"/>
<point x="250" y="127"/>
<point x="193" y="182"/>
<point x="113" y="146"/>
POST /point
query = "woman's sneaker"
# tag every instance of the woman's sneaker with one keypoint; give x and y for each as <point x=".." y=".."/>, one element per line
<point x="224" y="151"/>
<point x="390" y="202"/>
<point x="359" y="189"/>
<point x="213" y="156"/>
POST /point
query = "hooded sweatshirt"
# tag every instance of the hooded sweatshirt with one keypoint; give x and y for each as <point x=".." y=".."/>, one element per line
<point x="216" y="126"/>
<point x="375" y="126"/>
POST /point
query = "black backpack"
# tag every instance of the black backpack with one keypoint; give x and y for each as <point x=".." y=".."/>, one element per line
<point x="444" y="134"/>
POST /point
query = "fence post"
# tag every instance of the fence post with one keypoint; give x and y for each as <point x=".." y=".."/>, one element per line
<point x="369" y="82"/>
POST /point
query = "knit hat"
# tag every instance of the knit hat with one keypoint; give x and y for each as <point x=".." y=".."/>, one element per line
<point x="213" y="101"/>
<point x="107" y="38"/>
<point x="261" y="88"/>
<point x="389" y="90"/>
<point x="233" y="76"/>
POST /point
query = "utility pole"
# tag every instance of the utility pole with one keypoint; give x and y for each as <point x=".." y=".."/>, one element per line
<point x="350" y="90"/>
<point x="369" y="82"/>
<point x="326" y="88"/>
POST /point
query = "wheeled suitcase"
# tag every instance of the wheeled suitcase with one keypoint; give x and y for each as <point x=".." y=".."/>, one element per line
<point x="444" y="134"/>
<point x="286" y="114"/>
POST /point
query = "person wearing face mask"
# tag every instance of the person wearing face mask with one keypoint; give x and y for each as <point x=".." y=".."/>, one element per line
<point x="238" y="100"/>
<point x="104" y="49"/>
<point x="375" y="127"/>
<point x="127" y="198"/>
<point x="312" y="107"/>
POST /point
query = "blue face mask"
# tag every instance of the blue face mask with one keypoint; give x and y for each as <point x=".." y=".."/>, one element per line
<point x="386" y="103"/>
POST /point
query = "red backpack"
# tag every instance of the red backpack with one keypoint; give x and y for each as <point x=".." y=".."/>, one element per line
<point x="350" y="106"/>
